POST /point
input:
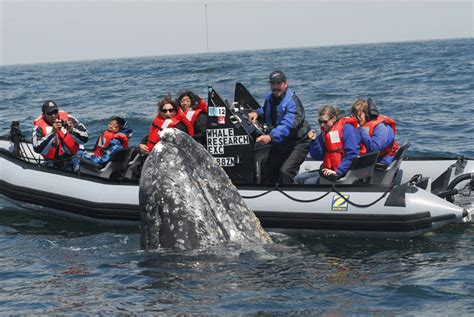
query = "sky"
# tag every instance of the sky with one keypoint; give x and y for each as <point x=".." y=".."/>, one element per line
<point x="70" y="30"/>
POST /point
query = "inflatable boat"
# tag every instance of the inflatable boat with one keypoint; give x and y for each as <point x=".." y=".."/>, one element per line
<point x="410" y="197"/>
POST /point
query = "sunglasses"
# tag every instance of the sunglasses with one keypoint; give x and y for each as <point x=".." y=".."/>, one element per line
<point x="167" y="110"/>
<point x="55" y="111"/>
<point x="323" y="121"/>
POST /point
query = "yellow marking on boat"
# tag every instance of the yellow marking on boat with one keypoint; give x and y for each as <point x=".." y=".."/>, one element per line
<point x="339" y="203"/>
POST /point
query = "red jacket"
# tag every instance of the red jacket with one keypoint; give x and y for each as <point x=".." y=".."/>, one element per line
<point x="192" y="115"/>
<point x="160" y="123"/>
<point x="104" y="140"/>
<point x="202" y="105"/>
<point x="389" y="150"/>
<point x="61" y="139"/>
<point x="333" y="143"/>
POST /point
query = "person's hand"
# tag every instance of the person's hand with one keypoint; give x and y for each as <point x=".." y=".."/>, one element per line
<point x="143" y="149"/>
<point x="57" y="125"/>
<point x="328" y="172"/>
<point x="70" y="126"/>
<point x="253" y="116"/>
<point x="264" y="139"/>
<point x="312" y="134"/>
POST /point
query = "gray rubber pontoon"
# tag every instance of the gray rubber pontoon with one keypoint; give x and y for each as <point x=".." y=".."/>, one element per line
<point x="371" y="200"/>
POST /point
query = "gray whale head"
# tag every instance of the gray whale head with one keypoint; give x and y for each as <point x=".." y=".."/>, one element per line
<point x="188" y="202"/>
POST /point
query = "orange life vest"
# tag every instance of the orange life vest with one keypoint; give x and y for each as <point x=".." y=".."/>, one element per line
<point x="193" y="114"/>
<point x="62" y="139"/>
<point x="104" y="140"/>
<point x="202" y="105"/>
<point x="160" y="123"/>
<point x="333" y="143"/>
<point x="370" y="126"/>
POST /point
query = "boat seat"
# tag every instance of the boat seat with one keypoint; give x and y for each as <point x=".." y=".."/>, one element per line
<point x="361" y="170"/>
<point x="260" y="156"/>
<point x="135" y="165"/>
<point x="386" y="174"/>
<point x="113" y="169"/>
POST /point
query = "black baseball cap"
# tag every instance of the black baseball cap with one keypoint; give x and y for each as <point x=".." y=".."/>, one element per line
<point x="49" y="106"/>
<point x="277" y="76"/>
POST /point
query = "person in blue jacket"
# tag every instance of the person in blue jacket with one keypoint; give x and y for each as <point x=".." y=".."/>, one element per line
<point x="110" y="141"/>
<point x="376" y="130"/>
<point x="337" y="146"/>
<point x="284" y="114"/>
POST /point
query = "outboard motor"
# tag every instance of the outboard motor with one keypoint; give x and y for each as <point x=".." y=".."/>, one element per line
<point x="230" y="138"/>
<point x="16" y="136"/>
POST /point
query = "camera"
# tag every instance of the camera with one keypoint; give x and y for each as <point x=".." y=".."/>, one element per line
<point x="64" y="123"/>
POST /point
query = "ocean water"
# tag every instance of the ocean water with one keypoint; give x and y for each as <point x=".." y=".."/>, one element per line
<point x="50" y="265"/>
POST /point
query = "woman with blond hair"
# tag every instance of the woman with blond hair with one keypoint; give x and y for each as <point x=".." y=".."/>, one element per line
<point x="377" y="131"/>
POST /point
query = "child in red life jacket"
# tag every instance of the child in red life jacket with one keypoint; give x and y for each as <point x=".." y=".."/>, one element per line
<point x="109" y="142"/>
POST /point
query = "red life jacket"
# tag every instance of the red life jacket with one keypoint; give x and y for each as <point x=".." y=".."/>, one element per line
<point x="104" y="140"/>
<point x="62" y="139"/>
<point x="333" y="143"/>
<point x="370" y="125"/>
<point x="193" y="114"/>
<point x="202" y="105"/>
<point x="189" y="126"/>
<point x="160" y="123"/>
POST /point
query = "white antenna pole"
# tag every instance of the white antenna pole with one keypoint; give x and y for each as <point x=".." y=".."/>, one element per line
<point x="207" y="34"/>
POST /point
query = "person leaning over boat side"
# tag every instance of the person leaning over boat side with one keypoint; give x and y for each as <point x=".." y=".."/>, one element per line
<point x="57" y="135"/>
<point x="168" y="116"/>
<point x="195" y="109"/>
<point x="108" y="143"/>
<point x="284" y="113"/>
<point x="337" y="145"/>
<point x="377" y="131"/>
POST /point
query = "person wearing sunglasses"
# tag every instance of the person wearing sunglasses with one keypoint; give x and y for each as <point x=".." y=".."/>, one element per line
<point x="283" y="112"/>
<point x="169" y="116"/>
<point x="195" y="110"/>
<point x="337" y="145"/>
<point x="57" y="135"/>
<point x="377" y="131"/>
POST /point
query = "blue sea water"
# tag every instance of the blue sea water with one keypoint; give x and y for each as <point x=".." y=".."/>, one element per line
<point x="50" y="265"/>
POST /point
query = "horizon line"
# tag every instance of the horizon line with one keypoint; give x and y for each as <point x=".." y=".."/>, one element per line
<point x="230" y="51"/>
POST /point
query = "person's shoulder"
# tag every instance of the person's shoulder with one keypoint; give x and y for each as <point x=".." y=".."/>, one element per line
<point x="349" y="125"/>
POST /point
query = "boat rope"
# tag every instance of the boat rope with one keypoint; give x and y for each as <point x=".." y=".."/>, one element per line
<point x="333" y="189"/>
<point x="362" y="205"/>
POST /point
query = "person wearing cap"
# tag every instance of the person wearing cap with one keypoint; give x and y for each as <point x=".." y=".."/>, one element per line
<point x="57" y="135"/>
<point x="283" y="112"/>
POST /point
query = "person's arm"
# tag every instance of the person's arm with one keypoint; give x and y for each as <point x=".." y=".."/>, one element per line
<point x="316" y="148"/>
<point x="180" y="126"/>
<point x="114" y="146"/>
<point x="291" y="120"/>
<point x="380" y="138"/>
<point x="42" y="143"/>
<point x="79" y="131"/>
<point x="142" y="147"/>
<point x="351" y="141"/>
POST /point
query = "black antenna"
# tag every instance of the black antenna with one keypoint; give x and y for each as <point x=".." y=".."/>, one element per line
<point x="207" y="34"/>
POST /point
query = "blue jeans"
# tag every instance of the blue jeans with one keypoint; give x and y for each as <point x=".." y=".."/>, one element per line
<point x="307" y="178"/>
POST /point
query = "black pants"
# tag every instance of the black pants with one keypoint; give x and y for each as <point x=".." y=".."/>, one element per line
<point x="282" y="164"/>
